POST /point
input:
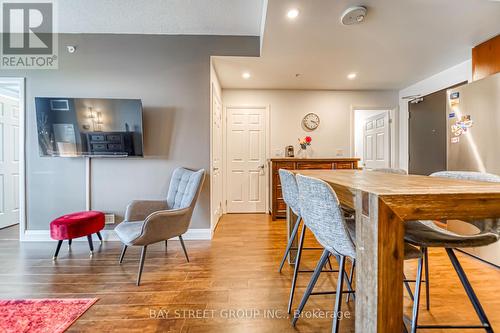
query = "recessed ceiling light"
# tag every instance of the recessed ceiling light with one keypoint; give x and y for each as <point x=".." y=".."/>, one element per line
<point x="245" y="75"/>
<point x="351" y="76"/>
<point x="292" y="13"/>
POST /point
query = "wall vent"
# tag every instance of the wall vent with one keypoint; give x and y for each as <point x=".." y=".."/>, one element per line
<point x="109" y="218"/>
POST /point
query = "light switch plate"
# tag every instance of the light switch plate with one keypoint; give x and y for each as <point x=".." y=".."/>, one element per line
<point x="109" y="218"/>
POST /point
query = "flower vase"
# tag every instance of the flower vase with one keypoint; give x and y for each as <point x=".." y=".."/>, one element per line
<point x="303" y="153"/>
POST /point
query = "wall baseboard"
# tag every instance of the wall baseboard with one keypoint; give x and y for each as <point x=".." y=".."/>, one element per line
<point x="108" y="235"/>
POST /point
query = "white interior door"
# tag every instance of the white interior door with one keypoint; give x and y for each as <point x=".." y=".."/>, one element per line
<point x="246" y="160"/>
<point x="9" y="161"/>
<point x="376" y="141"/>
<point x="217" y="145"/>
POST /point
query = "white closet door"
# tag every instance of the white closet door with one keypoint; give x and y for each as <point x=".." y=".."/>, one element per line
<point x="246" y="156"/>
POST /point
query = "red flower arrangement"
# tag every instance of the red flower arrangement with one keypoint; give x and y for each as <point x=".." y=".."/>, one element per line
<point x="304" y="142"/>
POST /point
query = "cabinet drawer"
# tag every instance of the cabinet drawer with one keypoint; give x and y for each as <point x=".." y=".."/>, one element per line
<point x="98" y="146"/>
<point x="96" y="137"/>
<point x="276" y="180"/>
<point x="115" y="146"/>
<point x="279" y="193"/>
<point x="343" y="165"/>
<point x="284" y="165"/>
<point x="314" y="165"/>
<point x="114" y="137"/>
<point x="281" y="214"/>
<point x="280" y="204"/>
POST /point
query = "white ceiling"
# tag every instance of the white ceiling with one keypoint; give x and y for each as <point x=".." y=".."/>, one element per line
<point x="400" y="42"/>
<point x="176" y="17"/>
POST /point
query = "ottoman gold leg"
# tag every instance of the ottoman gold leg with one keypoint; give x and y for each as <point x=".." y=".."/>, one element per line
<point x="59" y="243"/>
<point x="91" y="245"/>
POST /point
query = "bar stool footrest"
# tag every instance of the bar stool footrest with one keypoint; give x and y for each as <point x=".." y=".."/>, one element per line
<point x="331" y="292"/>
<point x="323" y="271"/>
<point x="454" y="326"/>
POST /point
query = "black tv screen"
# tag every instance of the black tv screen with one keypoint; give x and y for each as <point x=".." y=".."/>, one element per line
<point x="72" y="127"/>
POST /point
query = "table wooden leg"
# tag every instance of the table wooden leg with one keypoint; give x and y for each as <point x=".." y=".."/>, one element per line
<point x="379" y="266"/>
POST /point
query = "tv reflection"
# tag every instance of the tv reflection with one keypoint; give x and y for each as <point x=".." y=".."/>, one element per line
<point x="72" y="127"/>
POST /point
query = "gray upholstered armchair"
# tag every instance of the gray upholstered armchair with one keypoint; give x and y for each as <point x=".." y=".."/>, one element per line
<point x="149" y="222"/>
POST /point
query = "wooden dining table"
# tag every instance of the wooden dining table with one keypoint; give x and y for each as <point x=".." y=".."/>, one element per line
<point x="383" y="202"/>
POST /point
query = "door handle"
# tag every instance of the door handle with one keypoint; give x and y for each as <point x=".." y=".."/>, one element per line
<point x="262" y="171"/>
<point x="215" y="169"/>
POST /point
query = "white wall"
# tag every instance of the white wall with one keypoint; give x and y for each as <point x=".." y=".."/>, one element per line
<point x="447" y="78"/>
<point x="171" y="76"/>
<point x="288" y="107"/>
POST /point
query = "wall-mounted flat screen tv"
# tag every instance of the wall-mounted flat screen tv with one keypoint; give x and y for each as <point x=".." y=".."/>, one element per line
<point x="72" y="127"/>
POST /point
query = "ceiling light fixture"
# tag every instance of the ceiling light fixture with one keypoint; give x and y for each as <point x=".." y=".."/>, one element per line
<point x="292" y="13"/>
<point x="351" y="76"/>
<point x="245" y="75"/>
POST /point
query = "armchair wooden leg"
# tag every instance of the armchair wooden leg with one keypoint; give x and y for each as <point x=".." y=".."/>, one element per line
<point x="184" y="248"/>
<point x="141" y="264"/>
<point x="69" y="242"/>
<point x="166" y="244"/>
<point x="123" y="253"/>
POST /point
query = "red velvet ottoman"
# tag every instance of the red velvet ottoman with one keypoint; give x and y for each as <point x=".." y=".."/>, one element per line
<point x="77" y="225"/>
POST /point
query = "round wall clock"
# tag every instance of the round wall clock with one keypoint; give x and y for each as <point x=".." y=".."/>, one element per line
<point x="311" y="121"/>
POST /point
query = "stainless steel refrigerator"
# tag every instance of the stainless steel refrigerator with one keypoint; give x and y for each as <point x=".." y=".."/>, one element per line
<point x="473" y="135"/>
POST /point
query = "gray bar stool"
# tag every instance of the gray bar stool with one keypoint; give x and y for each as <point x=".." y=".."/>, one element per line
<point x="427" y="234"/>
<point x="290" y="194"/>
<point x="322" y="214"/>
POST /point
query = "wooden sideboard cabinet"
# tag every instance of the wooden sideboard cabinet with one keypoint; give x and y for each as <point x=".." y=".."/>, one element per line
<point x="278" y="206"/>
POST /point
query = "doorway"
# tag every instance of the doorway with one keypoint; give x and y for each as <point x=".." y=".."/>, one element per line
<point x="372" y="138"/>
<point x="427" y="134"/>
<point x="427" y="123"/>
<point x="11" y="151"/>
<point x="217" y="159"/>
<point x="246" y="159"/>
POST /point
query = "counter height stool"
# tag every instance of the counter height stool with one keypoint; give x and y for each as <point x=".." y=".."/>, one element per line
<point x="427" y="234"/>
<point x="290" y="194"/>
<point x="322" y="214"/>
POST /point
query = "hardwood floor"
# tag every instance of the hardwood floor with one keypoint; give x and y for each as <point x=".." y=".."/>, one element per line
<point x="230" y="285"/>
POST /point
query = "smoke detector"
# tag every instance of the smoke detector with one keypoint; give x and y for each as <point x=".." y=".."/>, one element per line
<point x="353" y="15"/>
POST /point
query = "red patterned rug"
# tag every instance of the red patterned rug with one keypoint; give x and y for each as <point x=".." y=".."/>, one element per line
<point x="41" y="315"/>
